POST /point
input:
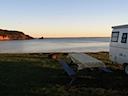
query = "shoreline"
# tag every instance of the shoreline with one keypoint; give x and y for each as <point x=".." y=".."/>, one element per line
<point x="56" y="52"/>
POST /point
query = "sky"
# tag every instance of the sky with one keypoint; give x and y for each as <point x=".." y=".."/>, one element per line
<point x="63" y="18"/>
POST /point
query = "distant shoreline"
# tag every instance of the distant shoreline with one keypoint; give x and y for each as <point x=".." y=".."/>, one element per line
<point x="70" y="37"/>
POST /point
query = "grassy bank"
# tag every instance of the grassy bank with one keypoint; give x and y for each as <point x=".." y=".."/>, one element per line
<point x="38" y="75"/>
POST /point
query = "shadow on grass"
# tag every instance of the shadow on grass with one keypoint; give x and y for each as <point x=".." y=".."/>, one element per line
<point x="18" y="78"/>
<point x="117" y="80"/>
<point x="37" y="75"/>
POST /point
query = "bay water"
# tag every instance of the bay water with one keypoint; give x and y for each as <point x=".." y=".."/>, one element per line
<point x="55" y="45"/>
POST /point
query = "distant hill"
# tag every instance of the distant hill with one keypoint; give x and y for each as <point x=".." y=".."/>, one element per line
<point x="13" y="35"/>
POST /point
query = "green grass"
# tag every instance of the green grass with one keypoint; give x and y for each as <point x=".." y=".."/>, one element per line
<point x="35" y="74"/>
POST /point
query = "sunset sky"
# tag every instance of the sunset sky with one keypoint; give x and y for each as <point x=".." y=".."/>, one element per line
<point x="63" y="18"/>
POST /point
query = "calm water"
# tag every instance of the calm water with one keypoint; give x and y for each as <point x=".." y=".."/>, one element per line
<point x="55" y="45"/>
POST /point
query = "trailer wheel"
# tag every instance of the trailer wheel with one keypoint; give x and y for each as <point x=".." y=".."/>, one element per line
<point x="126" y="69"/>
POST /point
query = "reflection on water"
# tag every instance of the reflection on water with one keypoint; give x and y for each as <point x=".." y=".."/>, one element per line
<point x="55" y="45"/>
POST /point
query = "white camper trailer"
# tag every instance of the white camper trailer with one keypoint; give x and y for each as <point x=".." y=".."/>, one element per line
<point x="118" y="51"/>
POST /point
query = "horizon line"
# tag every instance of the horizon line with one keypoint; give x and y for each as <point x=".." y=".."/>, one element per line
<point x="74" y="37"/>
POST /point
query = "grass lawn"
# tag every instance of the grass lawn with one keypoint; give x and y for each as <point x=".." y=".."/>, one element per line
<point x="35" y="74"/>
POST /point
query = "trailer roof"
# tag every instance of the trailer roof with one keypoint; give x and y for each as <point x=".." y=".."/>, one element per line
<point x="120" y="26"/>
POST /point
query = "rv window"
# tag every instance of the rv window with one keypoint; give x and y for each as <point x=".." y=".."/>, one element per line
<point x="124" y="38"/>
<point x="115" y="36"/>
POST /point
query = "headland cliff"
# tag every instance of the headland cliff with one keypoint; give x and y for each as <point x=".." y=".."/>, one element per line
<point x="13" y="35"/>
